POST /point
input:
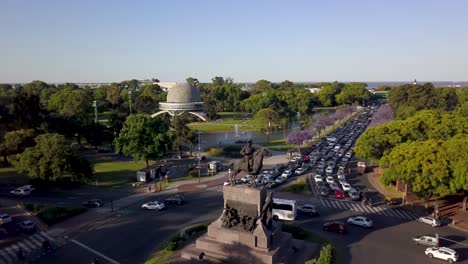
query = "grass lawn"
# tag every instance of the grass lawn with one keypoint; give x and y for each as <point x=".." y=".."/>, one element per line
<point x="300" y="186"/>
<point x="117" y="173"/>
<point x="228" y="124"/>
<point x="9" y="175"/>
<point x="277" y="144"/>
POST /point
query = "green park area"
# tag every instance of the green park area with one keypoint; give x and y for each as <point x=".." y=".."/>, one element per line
<point x="300" y="186"/>
<point x="116" y="173"/>
<point x="228" y="124"/>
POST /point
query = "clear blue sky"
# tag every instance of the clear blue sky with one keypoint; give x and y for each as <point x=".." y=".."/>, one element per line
<point x="99" y="40"/>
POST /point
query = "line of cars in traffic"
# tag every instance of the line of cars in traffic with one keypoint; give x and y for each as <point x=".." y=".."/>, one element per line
<point x="330" y="158"/>
<point x="176" y="199"/>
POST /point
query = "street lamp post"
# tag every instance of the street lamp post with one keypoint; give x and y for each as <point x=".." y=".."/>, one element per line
<point x="199" y="158"/>
<point x="95" y="111"/>
<point x="130" y="97"/>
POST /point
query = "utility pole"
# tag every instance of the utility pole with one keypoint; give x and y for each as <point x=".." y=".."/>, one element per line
<point x="199" y="158"/>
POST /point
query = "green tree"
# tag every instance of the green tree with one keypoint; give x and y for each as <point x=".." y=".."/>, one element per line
<point x="34" y="88"/>
<point x="144" y="138"/>
<point x="27" y="111"/>
<point x="113" y="95"/>
<point x="15" y="142"/>
<point x="193" y="81"/>
<point x="267" y="117"/>
<point x="72" y="102"/>
<point x="52" y="159"/>
<point x="326" y="255"/>
<point x="352" y="93"/>
<point x="261" y="86"/>
<point x="146" y="105"/>
<point x="286" y="85"/>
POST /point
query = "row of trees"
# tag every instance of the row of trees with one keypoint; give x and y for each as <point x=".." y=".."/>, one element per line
<point x="427" y="151"/>
<point x="407" y="99"/>
<point x="299" y="137"/>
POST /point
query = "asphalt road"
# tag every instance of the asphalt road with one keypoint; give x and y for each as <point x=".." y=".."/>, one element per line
<point x="136" y="233"/>
<point x="132" y="236"/>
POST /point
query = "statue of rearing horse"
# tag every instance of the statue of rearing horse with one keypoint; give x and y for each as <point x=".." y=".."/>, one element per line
<point x="256" y="166"/>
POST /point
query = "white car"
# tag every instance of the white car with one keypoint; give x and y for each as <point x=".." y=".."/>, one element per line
<point x="330" y="179"/>
<point x="21" y="192"/>
<point x="361" y="221"/>
<point x="444" y="253"/>
<point x="349" y="154"/>
<point x="299" y="171"/>
<point x="27" y="187"/>
<point x="5" y="218"/>
<point x="308" y="209"/>
<point x="155" y="205"/>
<point x="329" y="170"/>
<point x="318" y="178"/>
<point x="429" y="220"/>
<point x="346" y="186"/>
<point x="281" y="179"/>
<point x="286" y="173"/>
<point x="334" y="186"/>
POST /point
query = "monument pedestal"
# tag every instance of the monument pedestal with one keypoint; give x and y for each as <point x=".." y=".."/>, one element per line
<point x="261" y="244"/>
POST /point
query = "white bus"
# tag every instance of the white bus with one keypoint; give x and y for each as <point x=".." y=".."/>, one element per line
<point x="284" y="209"/>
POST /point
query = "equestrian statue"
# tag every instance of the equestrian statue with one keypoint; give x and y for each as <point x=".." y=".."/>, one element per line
<point x="251" y="162"/>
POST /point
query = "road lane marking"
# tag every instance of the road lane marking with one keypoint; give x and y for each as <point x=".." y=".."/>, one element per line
<point x="355" y="208"/>
<point x="398" y="213"/>
<point x="47" y="236"/>
<point x="35" y="240"/>
<point x="406" y="215"/>
<point x="94" y="251"/>
<point x="29" y="243"/>
<point x="10" y="253"/>
<point x="5" y="254"/>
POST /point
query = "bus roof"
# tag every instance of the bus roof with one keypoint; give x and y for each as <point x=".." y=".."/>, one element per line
<point x="283" y="201"/>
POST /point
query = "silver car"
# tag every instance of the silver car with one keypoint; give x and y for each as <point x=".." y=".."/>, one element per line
<point x="429" y="241"/>
<point x="429" y="220"/>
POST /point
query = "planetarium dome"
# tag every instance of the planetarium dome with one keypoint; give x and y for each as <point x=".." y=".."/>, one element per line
<point x="183" y="93"/>
<point x="182" y="98"/>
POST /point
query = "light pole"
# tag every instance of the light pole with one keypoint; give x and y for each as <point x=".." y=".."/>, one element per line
<point x="130" y="97"/>
<point x="199" y="158"/>
<point x="95" y="111"/>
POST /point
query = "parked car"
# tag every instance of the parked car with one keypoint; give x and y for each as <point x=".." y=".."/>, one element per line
<point x="308" y="209"/>
<point x="27" y="226"/>
<point x="155" y="205"/>
<point x="27" y="187"/>
<point x="5" y="218"/>
<point x="339" y="194"/>
<point x="429" y="220"/>
<point x="444" y="253"/>
<point x="361" y="221"/>
<point x="338" y="227"/>
<point x="21" y="192"/>
<point x="329" y="170"/>
<point x="429" y="241"/>
<point x="93" y="203"/>
<point x="330" y="179"/>
<point x="175" y="199"/>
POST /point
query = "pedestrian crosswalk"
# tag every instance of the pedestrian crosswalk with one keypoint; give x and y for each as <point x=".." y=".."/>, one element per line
<point x="346" y="205"/>
<point x="381" y="210"/>
<point x="30" y="244"/>
<point x="217" y="188"/>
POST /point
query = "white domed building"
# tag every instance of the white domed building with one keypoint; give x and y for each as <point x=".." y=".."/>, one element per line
<point x="182" y="98"/>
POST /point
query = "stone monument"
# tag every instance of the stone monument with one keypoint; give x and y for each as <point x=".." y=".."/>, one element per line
<point x="246" y="233"/>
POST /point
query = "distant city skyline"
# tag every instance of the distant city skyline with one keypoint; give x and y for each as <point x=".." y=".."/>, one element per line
<point x="300" y="41"/>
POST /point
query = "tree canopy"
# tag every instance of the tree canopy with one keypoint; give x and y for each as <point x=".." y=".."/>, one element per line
<point x="144" y="138"/>
<point x="52" y="159"/>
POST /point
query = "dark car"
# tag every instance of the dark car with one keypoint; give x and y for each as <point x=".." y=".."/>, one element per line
<point x="338" y="227"/>
<point x="27" y="226"/>
<point x="94" y="203"/>
<point x="175" y="199"/>
<point x="323" y="190"/>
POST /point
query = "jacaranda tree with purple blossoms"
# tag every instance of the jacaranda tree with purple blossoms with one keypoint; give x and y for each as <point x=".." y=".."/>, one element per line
<point x="299" y="137"/>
